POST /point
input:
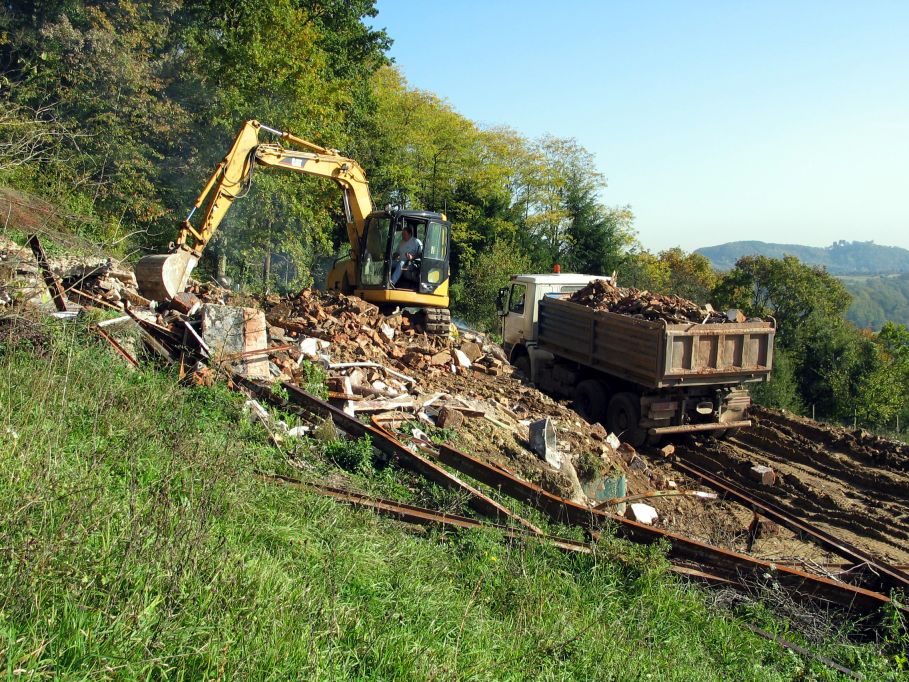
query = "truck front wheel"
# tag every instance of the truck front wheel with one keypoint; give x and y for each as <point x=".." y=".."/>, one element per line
<point x="622" y="419"/>
<point x="590" y="400"/>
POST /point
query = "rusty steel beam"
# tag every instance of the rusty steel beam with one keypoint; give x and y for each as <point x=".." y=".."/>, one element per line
<point x="423" y="516"/>
<point x="727" y="564"/>
<point x="883" y="576"/>
<point x="477" y="500"/>
<point x="53" y="284"/>
<point x="116" y="346"/>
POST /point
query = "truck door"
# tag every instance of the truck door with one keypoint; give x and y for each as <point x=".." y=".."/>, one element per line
<point x="515" y="323"/>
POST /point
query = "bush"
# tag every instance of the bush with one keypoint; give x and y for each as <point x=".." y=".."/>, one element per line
<point x="352" y="455"/>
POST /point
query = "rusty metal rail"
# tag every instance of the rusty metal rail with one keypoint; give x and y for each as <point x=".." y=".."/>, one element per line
<point x="723" y="563"/>
<point x="477" y="500"/>
<point x="882" y="576"/>
<point x="423" y="516"/>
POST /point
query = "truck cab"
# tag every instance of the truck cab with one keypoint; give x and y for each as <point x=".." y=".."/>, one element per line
<point x="518" y="308"/>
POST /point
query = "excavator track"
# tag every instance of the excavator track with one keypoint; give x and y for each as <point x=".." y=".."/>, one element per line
<point x="438" y="321"/>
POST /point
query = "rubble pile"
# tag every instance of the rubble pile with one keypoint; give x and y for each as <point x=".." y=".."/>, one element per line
<point x="602" y="295"/>
<point x="358" y="331"/>
<point x="102" y="281"/>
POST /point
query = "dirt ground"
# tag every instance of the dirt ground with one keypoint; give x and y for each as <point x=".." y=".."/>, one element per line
<point x="849" y="483"/>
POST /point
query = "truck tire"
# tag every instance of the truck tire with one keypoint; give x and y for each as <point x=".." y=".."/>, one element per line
<point x="622" y="419"/>
<point x="522" y="364"/>
<point x="590" y="400"/>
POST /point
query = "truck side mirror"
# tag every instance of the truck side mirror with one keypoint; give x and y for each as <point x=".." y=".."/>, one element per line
<point x="500" y="301"/>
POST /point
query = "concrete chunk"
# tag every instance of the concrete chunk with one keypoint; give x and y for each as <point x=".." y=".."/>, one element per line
<point x="542" y="437"/>
<point x="642" y="513"/>
<point x="461" y="358"/>
<point x="762" y="474"/>
<point x="230" y="330"/>
<point x="449" y="418"/>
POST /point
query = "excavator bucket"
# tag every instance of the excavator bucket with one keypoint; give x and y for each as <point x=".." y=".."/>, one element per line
<point x="162" y="277"/>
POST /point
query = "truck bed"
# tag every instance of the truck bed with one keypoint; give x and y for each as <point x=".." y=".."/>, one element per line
<point x="656" y="354"/>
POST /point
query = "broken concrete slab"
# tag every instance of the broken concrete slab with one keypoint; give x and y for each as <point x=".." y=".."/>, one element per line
<point x="229" y="330"/>
<point x="542" y="437"/>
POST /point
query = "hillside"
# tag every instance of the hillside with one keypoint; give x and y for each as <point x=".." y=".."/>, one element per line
<point x="878" y="299"/>
<point x="840" y="258"/>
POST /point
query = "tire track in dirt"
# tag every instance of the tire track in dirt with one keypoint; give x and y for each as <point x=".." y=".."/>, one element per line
<point x="853" y="485"/>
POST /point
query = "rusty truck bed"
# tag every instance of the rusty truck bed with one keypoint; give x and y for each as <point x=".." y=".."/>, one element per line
<point x="656" y="354"/>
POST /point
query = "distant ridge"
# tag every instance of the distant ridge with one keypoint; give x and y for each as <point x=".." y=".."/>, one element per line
<point x="840" y="258"/>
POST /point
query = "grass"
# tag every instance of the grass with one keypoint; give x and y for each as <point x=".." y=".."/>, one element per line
<point x="137" y="543"/>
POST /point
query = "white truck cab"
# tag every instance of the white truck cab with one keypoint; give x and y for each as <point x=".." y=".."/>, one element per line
<point x="518" y="307"/>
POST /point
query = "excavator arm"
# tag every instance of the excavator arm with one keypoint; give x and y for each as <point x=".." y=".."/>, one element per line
<point x="161" y="277"/>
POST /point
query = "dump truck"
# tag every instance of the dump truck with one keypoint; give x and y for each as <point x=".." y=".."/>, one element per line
<point x="641" y="379"/>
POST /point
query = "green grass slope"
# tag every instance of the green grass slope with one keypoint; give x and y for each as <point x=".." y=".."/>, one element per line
<point x="136" y="543"/>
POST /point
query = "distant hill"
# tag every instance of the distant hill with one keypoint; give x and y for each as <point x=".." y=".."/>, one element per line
<point x="840" y="258"/>
<point x="878" y="299"/>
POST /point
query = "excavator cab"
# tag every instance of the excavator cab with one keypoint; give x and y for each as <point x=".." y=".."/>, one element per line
<point x="382" y="238"/>
<point x="424" y="280"/>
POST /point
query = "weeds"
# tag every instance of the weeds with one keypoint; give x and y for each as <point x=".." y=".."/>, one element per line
<point x="353" y="455"/>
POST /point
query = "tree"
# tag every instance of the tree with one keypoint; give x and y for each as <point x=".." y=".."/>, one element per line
<point x="787" y="289"/>
<point x="691" y="275"/>
<point x="474" y="295"/>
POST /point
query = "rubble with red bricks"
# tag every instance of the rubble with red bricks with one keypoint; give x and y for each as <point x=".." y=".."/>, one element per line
<point x="602" y="295"/>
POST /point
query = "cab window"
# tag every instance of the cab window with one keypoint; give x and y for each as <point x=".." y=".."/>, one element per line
<point x="372" y="263"/>
<point x="417" y="227"/>
<point x="571" y="288"/>
<point x="435" y="246"/>
<point x="516" y="302"/>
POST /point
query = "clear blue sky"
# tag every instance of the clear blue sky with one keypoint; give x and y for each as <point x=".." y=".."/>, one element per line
<point x="715" y="121"/>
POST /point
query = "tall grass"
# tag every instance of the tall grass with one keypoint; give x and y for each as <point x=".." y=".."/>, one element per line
<point x="136" y="543"/>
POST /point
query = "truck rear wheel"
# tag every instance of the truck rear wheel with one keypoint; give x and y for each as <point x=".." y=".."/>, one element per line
<point x="590" y="400"/>
<point x="622" y="419"/>
<point x="522" y="364"/>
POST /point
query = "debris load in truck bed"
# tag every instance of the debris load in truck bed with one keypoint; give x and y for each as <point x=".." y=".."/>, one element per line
<point x="602" y="295"/>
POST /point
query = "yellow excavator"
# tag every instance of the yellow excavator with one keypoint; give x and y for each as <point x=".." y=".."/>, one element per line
<point x="374" y="235"/>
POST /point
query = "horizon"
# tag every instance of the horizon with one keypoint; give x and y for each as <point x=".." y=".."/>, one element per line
<point x="714" y="122"/>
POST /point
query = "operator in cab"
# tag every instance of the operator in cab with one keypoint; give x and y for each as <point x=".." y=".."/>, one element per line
<point x="409" y="249"/>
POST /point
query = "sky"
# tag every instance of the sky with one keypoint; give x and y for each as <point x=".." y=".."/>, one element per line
<point x="715" y="121"/>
